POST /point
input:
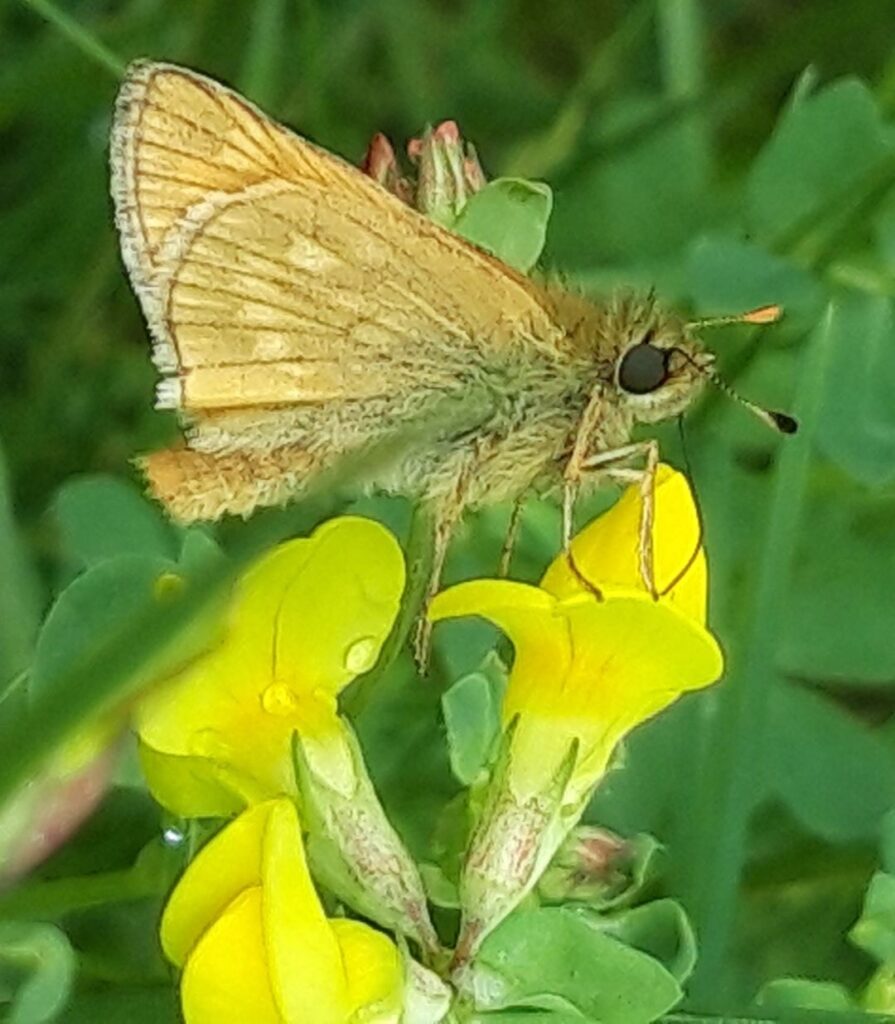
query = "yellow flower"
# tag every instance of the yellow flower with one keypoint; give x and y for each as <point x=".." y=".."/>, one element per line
<point x="589" y="669"/>
<point x="591" y="663"/>
<point x="305" y="621"/>
<point x="247" y="928"/>
<point x="310" y="617"/>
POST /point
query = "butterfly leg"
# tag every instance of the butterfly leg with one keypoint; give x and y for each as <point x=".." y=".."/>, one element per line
<point x="605" y="464"/>
<point x="575" y="469"/>
<point x="446" y="513"/>
<point x="512" y="535"/>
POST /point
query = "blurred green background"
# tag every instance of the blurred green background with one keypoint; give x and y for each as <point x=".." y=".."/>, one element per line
<point x="731" y="154"/>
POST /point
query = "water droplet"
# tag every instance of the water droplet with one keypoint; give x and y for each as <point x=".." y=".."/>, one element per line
<point x="168" y="585"/>
<point x="362" y="654"/>
<point x="172" y="836"/>
<point x="278" y="699"/>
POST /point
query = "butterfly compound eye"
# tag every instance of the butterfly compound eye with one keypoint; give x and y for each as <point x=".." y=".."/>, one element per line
<point x="642" y="369"/>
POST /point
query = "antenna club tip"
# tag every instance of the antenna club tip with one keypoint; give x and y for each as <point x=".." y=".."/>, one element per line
<point x="785" y="423"/>
<point x="763" y="315"/>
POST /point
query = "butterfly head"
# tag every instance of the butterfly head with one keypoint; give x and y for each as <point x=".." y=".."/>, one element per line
<point x="660" y="369"/>
<point x="661" y="365"/>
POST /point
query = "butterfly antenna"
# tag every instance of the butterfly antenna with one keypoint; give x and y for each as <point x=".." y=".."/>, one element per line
<point x="780" y="421"/>
<point x="760" y="317"/>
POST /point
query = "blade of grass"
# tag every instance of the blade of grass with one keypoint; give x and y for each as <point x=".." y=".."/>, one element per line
<point x="726" y="792"/>
<point x="18" y="592"/>
<point x="75" y="32"/>
<point x="112" y="667"/>
<point x="259" y="78"/>
<point x="540" y="154"/>
<point x="681" y="37"/>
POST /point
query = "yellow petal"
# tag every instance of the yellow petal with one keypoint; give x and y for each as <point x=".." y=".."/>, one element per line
<point x="632" y="657"/>
<point x="187" y="786"/>
<point x="308" y="618"/>
<point x="540" y="745"/>
<point x="526" y="614"/>
<point x="225" y="980"/>
<point x="306" y="969"/>
<point x="204" y="717"/>
<point x="373" y="969"/>
<point x="338" y="610"/>
<point x="227" y="865"/>
<point x="607" y="550"/>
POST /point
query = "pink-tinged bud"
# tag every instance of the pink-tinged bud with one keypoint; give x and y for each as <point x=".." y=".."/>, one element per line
<point x="448" y="133"/>
<point x="596" y="866"/>
<point x="50" y="808"/>
<point x="381" y="164"/>
<point x="472" y="170"/>
<point x="448" y="172"/>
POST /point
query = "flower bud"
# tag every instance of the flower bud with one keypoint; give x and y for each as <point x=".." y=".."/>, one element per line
<point x="448" y="172"/>
<point x="354" y="850"/>
<point x="596" y="866"/>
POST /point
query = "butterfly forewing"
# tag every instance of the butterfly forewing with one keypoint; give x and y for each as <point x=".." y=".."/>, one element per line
<point x="274" y="274"/>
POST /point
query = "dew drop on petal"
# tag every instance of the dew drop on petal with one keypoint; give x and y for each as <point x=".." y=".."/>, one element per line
<point x="361" y="655"/>
<point x="278" y="699"/>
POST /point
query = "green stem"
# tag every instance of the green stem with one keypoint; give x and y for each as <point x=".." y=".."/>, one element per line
<point x="681" y="38"/>
<point x="681" y="43"/>
<point x="85" y="41"/>
<point x="728" y="793"/>
<point x="50" y="900"/>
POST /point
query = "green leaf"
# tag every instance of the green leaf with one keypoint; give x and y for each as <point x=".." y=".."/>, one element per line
<point x="785" y="993"/>
<point x="857" y="423"/>
<point x="875" y="929"/>
<point x="832" y="772"/>
<point x="199" y="551"/>
<point x="662" y="930"/>
<point x="837" y="619"/>
<point x="91" y="610"/>
<point x="508" y="218"/>
<point x="822" y="147"/>
<point x="634" y="201"/>
<point x="538" y="956"/>
<point x="38" y="958"/>
<point x="100" y="517"/>
<point x="471" y="709"/>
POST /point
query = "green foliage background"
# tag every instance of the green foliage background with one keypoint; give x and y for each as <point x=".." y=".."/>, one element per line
<point x="732" y="154"/>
